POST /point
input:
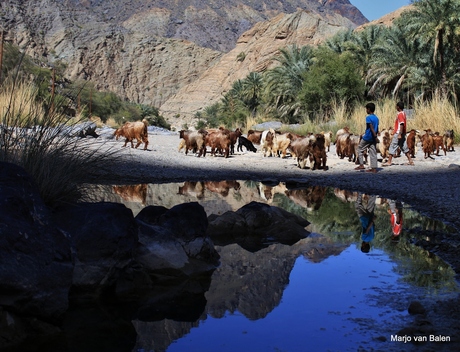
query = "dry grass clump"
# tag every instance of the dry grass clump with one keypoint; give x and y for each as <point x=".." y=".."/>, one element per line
<point x="38" y="141"/>
<point x="438" y="114"/>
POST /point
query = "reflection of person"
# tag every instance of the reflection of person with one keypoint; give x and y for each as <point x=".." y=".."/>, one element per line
<point x="367" y="217"/>
<point x="396" y="219"/>
<point x="399" y="137"/>
<point x="369" y="140"/>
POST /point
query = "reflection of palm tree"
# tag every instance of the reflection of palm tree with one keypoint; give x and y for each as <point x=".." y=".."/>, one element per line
<point x="437" y="23"/>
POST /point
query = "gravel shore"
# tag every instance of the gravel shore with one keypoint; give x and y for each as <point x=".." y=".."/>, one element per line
<point x="431" y="186"/>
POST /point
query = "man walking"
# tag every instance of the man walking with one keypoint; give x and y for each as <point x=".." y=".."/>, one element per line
<point x="399" y="137"/>
<point x="369" y="140"/>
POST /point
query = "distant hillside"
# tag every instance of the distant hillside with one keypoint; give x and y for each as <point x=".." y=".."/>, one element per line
<point x="147" y="51"/>
<point x="211" y="24"/>
<point x="259" y="45"/>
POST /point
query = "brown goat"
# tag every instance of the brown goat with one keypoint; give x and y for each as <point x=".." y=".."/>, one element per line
<point x="194" y="140"/>
<point x="318" y="156"/>
<point x="254" y="136"/>
<point x="234" y="135"/>
<point x="449" y="140"/>
<point x="133" y="130"/>
<point x="411" y="142"/>
<point x="438" y="142"/>
<point x="301" y="149"/>
<point x="342" y="145"/>
<point x="427" y="144"/>
<point x="218" y="141"/>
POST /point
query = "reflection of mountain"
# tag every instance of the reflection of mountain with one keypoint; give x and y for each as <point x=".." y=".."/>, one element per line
<point x="250" y="283"/>
<point x="253" y="283"/>
<point x="158" y="335"/>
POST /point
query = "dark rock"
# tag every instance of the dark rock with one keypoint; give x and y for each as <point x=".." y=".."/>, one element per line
<point x="416" y="307"/>
<point x="104" y="238"/>
<point x="35" y="257"/>
<point x="82" y="130"/>
<point x="151" y="214"/>
<point x="256" y="225"/>
<point x="177" y="245"/>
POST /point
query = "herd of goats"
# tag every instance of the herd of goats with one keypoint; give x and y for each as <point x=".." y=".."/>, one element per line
<point x="310" y="148"/>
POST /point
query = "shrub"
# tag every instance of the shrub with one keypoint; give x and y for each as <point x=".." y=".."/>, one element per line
<point x="38" y="140"/>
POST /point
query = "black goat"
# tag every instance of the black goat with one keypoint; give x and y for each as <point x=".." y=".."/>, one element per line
<point x="242" y="141"/>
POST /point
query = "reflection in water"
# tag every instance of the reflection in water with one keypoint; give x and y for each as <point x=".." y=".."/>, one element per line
<point x="366" y="214"/>
<point x="396" y="219"/>
<point x="132" y="193"/>
<point x="256" y="287"/>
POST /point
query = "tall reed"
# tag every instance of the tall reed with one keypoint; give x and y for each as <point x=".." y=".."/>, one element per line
<point x="39" y="141"/>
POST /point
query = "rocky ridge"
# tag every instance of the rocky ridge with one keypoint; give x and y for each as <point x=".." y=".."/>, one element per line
<point x="147" y="51"/>
<point x="259" y="46"/>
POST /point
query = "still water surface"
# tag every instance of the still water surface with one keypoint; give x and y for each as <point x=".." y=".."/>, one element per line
<point x="320" y="294"/>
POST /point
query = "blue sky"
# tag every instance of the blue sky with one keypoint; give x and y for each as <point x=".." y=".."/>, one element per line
<point x="374" y="9"/>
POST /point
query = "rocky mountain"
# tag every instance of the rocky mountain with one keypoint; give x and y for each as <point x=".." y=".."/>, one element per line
<point x="259" y="45"/>
<point x="175" y="55"/>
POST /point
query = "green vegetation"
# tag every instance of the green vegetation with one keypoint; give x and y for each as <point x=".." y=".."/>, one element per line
<point x="414" y="61"/>
<point x="35" y="119"/>
<point x="80" y="98"/>
<point x="35" y="137"/>
<point x="334" y="218"/>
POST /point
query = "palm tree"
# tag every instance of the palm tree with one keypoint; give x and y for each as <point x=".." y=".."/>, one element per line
<point x="252" y="89"/>
<point x="339" y="43"/>
<point x="437" y="22"/>
<point x="284" y="82"/>
<point x="397" y="62"/>
<point x="361" y="45"/>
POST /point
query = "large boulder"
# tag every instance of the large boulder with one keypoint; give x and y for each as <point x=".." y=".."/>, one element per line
<point x="35" y="258"/>
<point x="82" y="130"/>
<point x="257" y="225"/>
<point x="103" y="237"/>
<point x="174" y="242"/>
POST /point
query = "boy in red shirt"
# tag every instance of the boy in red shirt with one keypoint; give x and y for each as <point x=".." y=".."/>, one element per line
<point x="399" y="136"/>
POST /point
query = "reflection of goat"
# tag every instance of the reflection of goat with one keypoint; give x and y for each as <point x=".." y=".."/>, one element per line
<point x="222" y="187"/>
<point x="195" y="189"/>
<point x="267" y="193"/>
<point x="310" y="198"/>
<point x="132" y="193"/>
